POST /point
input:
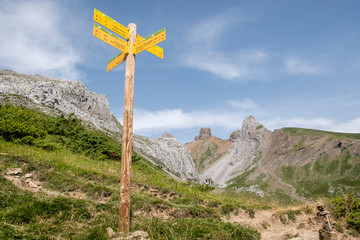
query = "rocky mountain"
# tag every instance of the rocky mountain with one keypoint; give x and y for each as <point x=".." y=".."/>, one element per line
<point x="169" y="154"/>
<point x="288" y="163"/>
<point x="246" y="146"/>
<point x="63" y="97"/>
<point x="207" y="149"/>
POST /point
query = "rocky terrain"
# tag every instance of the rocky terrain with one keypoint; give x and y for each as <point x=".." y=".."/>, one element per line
<point x="207" y="149"/>
<point x="246" y="148"/>
<point x="169" y="154"/>
<point x="64" y="97"/>
<point x="289" y="163"/>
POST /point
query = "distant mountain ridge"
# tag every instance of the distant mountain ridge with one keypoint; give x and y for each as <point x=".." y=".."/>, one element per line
<point x="289" y="162"/>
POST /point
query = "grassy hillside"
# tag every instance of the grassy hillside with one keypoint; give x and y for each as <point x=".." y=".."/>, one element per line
<point x="67" y="187"/>
<point x="313" y="132"/>
<point x="305" y="163"/>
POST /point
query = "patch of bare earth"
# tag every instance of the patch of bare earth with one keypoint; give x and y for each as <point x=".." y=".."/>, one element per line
<point x="30" y="183"/>
<point x="274" y="226"/>
<point x="199" y="147"/>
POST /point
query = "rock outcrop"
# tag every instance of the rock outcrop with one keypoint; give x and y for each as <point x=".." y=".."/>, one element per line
<point x="205" y="134"/>
<point x="207" y="149"/>
<point x="169" y="154"/>
<point x="247" y="145"/>
<point x="63" y="97"/>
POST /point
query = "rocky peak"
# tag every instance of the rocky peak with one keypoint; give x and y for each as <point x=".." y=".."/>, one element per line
<point x="65" y="96"/>
<point x="167" y="135"/>
<point x="234" y="135"/>
<point x="205" y="134"/>
<point x="251" y="128"/>
<point x="251" y="141"/>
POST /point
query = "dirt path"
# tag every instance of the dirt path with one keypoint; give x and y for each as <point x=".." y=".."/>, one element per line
<point x="275" y="226"/>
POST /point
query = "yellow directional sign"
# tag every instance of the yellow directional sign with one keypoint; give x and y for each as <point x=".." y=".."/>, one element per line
<point x="111" y="24"/>
<point x="116" y="61"/>
<point x="139" y="45"/>
<point x="150" y="41"/>
<point x="156" y="50"/>
<point x="110" y="38"/>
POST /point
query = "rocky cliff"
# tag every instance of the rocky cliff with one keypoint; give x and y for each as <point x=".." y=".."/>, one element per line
<point x="169" y="154"/>
<point x="65" y="96"/>
<point x="57" y="96"/>
<point x="207" y="149"/>
<point x="288" y="163"/>
<point x="248" y="145"/>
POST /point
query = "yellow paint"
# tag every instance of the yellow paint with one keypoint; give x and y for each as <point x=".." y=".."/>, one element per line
<point x="156" y="50"/>
<point x="116" y="61"/>
<point x="150" y="41"/>
<point x="111" y="24"/>
<point x="110" y="38"/>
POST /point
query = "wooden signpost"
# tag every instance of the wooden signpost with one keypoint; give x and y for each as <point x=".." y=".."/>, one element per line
<point x="134" y="44"/>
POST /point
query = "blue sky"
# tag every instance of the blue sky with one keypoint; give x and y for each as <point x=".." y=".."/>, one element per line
<point x="286" y="62"/>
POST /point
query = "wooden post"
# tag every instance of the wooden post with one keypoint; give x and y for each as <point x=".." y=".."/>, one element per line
<point x="124" y="221"/>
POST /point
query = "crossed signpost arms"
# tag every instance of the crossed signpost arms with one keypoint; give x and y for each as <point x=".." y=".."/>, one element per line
<point x="141" y="44"/>
<point x="133" y="45"/>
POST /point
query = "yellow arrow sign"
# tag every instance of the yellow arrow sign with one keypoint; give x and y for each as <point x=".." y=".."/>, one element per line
<point x="150" y="41"/>
<point x="156" y="50"/>
<point x="123" y="31"/>
<point x="110" y="38"/>
<point x="116" y="61"/>
<point x="111" y="24"/>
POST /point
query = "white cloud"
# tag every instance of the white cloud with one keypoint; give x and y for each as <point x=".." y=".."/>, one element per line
<point x="243" y="104"/>
<point x="313" y="123"/>
<point x="33" y="39"/>
<point x="170" y="119"/>
<point x="206" y="51"/>
<point x="351" y="126"/>
<point x="300" y="66"/>
<point x="157" y="122"/>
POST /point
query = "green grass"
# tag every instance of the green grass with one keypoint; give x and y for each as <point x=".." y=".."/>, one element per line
<point x="325" y="177"/>
<point x="79" y="161"/>
<point x="312" y="132"/>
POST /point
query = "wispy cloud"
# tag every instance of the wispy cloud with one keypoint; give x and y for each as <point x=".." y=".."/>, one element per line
<point x="170" y="119"/>
<point x="154" y="123"/>
<point x="246" y="104"/>
<point x="33" y="39"/>
<point x="206" y="51"/>
<point x="300" y="66"/>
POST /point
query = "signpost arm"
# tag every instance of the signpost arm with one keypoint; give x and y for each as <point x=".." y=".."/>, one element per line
<point x="124" y="222"/>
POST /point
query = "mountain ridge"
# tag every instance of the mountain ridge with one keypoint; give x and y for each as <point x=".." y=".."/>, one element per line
<point x="287" y="162"/>
<point x="64" y="97"/>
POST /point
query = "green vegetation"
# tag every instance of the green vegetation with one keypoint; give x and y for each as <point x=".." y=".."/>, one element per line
<point x="348" y="209"/>
<point x="325" y="177"/>
<point x="312" y="132"/>
<point x="78" y="171"/>
<point x="299" y="145"/>
<point x="25" y="126"/>
<point x="208" y="157"/>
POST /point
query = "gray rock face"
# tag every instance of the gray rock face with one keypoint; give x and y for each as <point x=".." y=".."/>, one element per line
<point x="168" y="153"/>
<point x="205" y="134"/>
<point x="64" y="95"/>
<point x="54" y="97"/>
<point x="247" y="145"/>
<point x="167" y="135"/>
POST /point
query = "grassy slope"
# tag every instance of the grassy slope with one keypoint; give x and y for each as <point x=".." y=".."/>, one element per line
<point x="313" y="132"/>
<point x="332" y="174"/>
<point x="75" y="161"/>
<point x="328" y="175"/>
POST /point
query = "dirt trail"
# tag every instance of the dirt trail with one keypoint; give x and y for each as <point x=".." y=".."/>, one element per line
<point x="274" y="226"/>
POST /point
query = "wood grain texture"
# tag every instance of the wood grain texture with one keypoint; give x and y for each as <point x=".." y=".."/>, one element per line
<point x="124" y="221"/>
